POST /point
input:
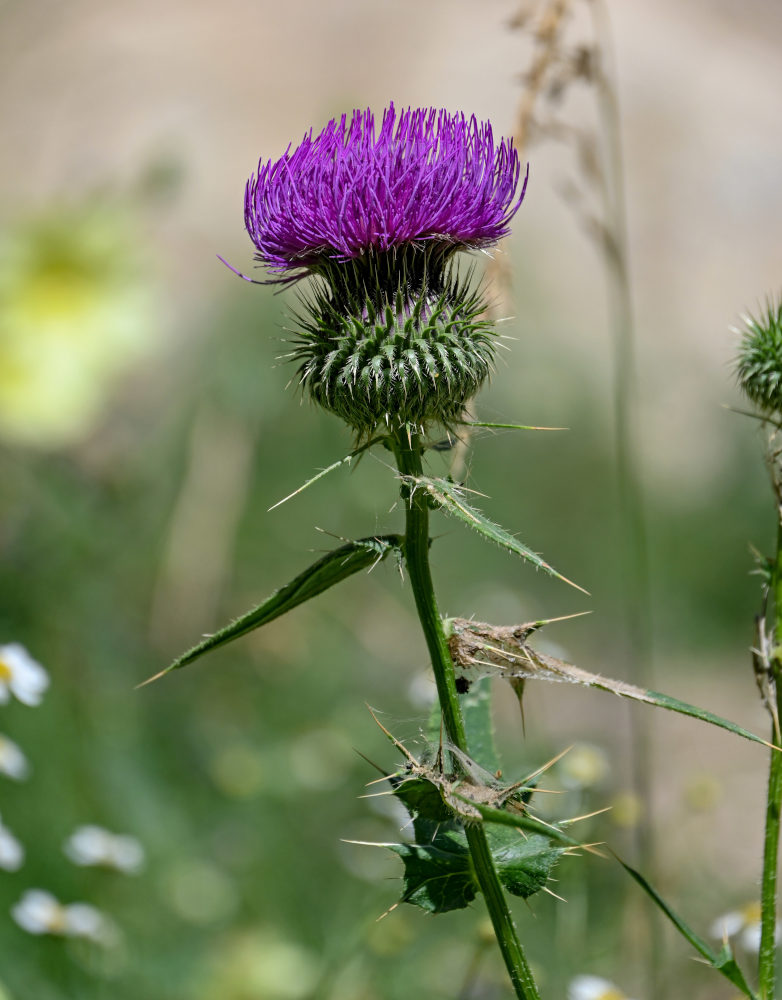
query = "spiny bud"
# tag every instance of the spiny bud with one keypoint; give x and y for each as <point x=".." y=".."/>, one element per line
<point x="395" y="340"/>
<point x="759" y="365"/>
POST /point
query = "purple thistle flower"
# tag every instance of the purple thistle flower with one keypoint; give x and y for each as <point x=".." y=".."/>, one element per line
<point x="425" y="176"/>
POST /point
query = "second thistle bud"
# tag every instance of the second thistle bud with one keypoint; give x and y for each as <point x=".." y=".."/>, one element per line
<point x="759" y="365"/>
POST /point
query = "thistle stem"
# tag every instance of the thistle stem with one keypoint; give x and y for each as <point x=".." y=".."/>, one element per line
<point x="408" y="451"/>
<point x="768" y="892"/>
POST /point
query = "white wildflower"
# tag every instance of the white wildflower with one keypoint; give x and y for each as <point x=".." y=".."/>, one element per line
<point x="593" y="988"/>
<point x="13" y="762"/>
<point x="11" y="851"/>
<point x="38" y="912"/>
<point x="21" y="675"/>
<point x="743" y="923"/>
<point x="92" y="845"/>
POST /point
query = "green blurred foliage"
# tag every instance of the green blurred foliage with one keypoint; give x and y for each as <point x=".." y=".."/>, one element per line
<point x="238" y="774"/>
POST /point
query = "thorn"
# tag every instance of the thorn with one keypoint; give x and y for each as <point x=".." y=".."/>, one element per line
<point x="560" y="618"/>
<point x="389" y="910"/>
<point x="377" y="781"/>
<point x="371" y="763"/>
<point x="366" y="843"/>
<point x="547" y="765"/>
<point x="577" y="819"/>
<point x="155" y="677"/>
<point x="394" y="740"/>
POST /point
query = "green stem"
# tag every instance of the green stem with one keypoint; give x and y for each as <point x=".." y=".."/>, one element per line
<point x="408" y="451"/>
<point x="768" y="892"/>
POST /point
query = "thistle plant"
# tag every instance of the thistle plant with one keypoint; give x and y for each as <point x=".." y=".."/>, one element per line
<point x="759" y="371"/>
<point x="369" y="220"/>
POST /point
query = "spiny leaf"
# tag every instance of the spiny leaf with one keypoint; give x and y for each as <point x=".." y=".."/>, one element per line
<point x="723" y="961"/>
<point x="423" y="800"/>
<point x="451" y="499"/>
<point x="480" y="650"/>
<point x="364" y="553"/>
<point x="524" y="864"/>
<point x="439" y="875"/>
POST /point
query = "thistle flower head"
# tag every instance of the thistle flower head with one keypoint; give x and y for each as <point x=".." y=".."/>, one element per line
<point x="389" y="334"/>
<point x="759" y="364"/>
<point x="422" y="176"/>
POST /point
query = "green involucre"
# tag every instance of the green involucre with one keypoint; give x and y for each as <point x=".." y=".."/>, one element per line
<point x="759" y="365"/>
<point x="394" y="340"/>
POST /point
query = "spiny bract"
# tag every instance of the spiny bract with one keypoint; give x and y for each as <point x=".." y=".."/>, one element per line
<point x="394" y="340"/>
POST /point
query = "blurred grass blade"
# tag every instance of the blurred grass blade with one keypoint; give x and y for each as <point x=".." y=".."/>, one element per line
<point x="723" y="962"/>
<point x="508" y="427"/>
<point x="355" y="556"/>
<point x="451" y="498"/>
<point x="330" y="468"/>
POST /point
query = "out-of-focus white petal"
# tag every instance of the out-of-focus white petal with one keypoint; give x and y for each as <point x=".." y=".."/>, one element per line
<point x="593" y="988"/>
<point x="13" y="762"/>
<point x="92" y="845"/>
<point x="727" y="925"/>
<point x="84" y="920"/>
<point x="21" y="675"/>
<point x="750" y="937"/>
<point x="38" y="912"/>
<point x="11" y="851"/>
<point x="128" y="854"/>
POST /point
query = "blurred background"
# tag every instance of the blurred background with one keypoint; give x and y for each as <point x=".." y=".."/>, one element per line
<point x="146" y="427"/>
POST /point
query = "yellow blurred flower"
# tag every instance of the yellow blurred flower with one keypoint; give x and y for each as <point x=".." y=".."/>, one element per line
<point x="260" y="963"/>
<point x="76" y="308"/>
<point x="583" y="766"/>
<point x="626" y="810"/>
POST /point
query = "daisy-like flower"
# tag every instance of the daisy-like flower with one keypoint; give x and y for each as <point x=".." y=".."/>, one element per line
<point x="13" y="762"/>
<point x="593" y="988"/>
<point x="389" y="335"/>
<point x="423" y="176"/>
<point x="94" y="846"/>
<point x="38" y="912"/>
<point x="21" y="675"/>
<point x="743" y="924"/>
<point x="11" y="851"/>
